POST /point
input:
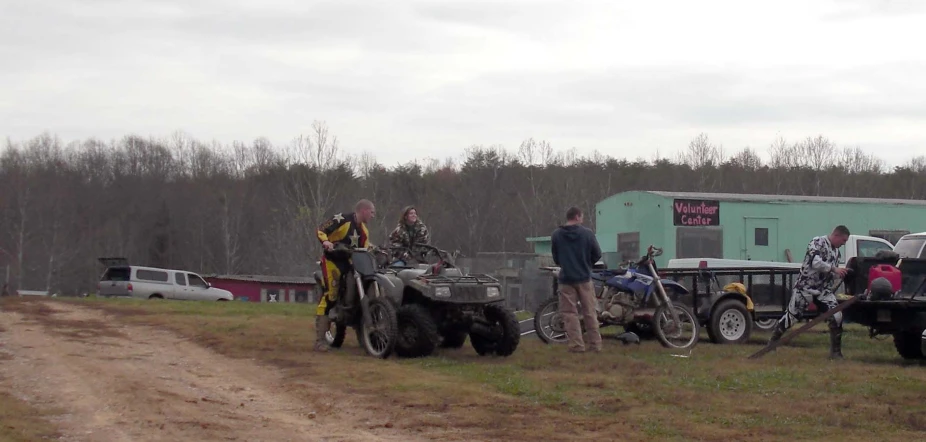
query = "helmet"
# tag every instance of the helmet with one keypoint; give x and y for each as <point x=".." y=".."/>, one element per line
<point x="881" y="288"/>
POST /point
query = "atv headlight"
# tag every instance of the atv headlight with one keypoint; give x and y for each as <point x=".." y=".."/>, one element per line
<point x="443" y="292"/>
<point x="492" y="292"/>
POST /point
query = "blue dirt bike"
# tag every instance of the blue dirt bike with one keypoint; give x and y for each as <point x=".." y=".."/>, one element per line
<point x="623" y="298"/>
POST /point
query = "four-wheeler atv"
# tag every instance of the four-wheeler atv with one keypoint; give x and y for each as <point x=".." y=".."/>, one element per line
<point x="440" y="306"/>
<point x="362" y="304"/>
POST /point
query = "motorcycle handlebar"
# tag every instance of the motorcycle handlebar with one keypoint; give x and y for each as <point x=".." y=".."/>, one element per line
<point x="653" y="251"/>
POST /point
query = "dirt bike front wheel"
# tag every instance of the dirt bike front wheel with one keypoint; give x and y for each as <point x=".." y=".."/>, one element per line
<point x="681" y="335"/>
<point x="548" y="322"/>
<point x="379" y="337"/>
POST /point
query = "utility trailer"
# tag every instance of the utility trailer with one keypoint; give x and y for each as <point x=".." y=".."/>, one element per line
<point x="729" y="312"/>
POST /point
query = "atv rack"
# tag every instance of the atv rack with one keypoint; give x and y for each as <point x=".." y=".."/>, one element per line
<point x="475" y="278"/>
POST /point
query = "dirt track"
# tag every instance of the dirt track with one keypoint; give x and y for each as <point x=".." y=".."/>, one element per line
<point x="115" y="382"/>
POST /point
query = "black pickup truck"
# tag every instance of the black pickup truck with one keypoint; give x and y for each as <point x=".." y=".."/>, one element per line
<point x="902" y="315"/>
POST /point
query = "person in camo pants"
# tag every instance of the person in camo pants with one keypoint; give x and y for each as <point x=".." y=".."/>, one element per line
<point x="818" y="271"/>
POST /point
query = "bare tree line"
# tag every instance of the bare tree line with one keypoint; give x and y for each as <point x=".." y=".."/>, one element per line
<point x="253" y="207"/>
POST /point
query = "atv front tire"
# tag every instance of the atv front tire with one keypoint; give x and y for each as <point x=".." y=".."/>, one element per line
<point x="453" y="339"/>
<point x="506" y="324"/>
<point x="418" y="334"/>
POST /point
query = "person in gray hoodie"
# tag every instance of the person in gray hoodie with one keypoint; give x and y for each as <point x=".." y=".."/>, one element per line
<point x="575" y="250"/>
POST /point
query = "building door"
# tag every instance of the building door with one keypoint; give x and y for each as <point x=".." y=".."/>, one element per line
<point x="762" y="239"/>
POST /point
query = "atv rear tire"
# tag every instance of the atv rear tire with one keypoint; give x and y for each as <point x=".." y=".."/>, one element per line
<point x="908" y="344"/>
<point x="453" y="339"/>
<point x="506" y="323"/>
<point x="418" y="334"/>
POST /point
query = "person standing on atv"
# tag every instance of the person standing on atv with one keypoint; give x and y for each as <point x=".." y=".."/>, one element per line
<point x="410" y="231"/>
<point x="343" y="228"/>
<point x="819" y="269"/>
<point x="576" y="250"/>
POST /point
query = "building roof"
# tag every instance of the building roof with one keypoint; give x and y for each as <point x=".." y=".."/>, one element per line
<point x="265" y="278"/>
<point x="783" y="198"/>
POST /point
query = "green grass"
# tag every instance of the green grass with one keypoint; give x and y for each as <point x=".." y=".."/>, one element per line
<point x="524" y="315"/>
<point x="631" y="392"/>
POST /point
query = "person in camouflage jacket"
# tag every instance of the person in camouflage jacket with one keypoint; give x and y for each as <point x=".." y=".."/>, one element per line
<point x="818" y="272"/>
<point x="410" y="232"/>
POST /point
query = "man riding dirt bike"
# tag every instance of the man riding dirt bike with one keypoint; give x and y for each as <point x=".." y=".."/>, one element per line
<point x="348" y="229"/>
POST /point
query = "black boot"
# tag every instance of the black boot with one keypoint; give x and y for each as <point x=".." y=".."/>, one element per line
<point x="776" y="335"/>
<point x="836" y="342"/>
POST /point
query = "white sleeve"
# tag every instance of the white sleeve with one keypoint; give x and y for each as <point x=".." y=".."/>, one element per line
<point x="820" y="265"/>
<point x="817" y="263"/>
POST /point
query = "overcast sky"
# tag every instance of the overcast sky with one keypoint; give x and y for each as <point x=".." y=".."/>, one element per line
<point x="408" y="79"/>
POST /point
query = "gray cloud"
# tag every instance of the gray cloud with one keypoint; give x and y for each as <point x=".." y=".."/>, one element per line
<point x="415" y="75"/>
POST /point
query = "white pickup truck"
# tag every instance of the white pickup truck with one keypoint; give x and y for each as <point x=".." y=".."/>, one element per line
<point x="858" y="245"/>
<point x="124" y="280"/>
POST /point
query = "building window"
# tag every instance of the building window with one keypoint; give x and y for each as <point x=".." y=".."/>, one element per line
<point x="699" y="242"/>
<point x="302" y="296"/>
<point x="273" y="295"/>
<point x="891" y="236"/>
<point x="761" y="236"/>
<point x="628" y="245"/>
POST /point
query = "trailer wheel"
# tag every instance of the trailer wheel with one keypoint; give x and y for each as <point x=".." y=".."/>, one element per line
<point x="908" y="344"/>
<point x="730" y="323"/>
<point x="766" y="324"/>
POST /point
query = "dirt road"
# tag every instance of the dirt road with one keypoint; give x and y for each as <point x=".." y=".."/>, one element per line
<point x="116" y="382"/>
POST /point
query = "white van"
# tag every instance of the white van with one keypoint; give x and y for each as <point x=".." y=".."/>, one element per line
<point x="123" y="280"/>
<point x="911" y="246"/>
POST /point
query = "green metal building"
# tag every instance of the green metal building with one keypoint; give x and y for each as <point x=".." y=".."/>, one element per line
<point x="737" y="226"/>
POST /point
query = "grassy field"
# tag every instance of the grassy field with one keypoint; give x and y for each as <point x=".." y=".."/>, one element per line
<point x="542" y="392"/>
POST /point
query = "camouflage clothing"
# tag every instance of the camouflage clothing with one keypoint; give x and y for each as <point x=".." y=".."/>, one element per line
<point x="815" y="281"/>
<point x="818" y="268"/>
<point x="408" y="236"/>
